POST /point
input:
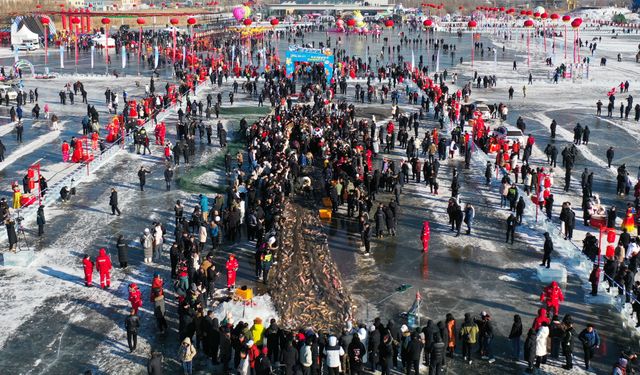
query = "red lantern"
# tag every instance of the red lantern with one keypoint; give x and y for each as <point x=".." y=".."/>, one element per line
<point x="536" y="15"/>
<point x="554" y="16"/>
<point x="502" y="9"/>
<point x="75" y="20"/>
<point x="389" y="23"/>
<point x="610" y="252"/>
<point x="247" y="22"/>
<point x="544" y="16"/>
<point x="611" y="235"/>
<point x="576" y="23"/>
<point x="472" y="24"/>
<point x="191" y="21"/>
<point x="427" y="23"/>
<point x="140" y="21"/>
<point x="105" y="21"/>
<point x="174" y="21"/>
<point x="566" y="18"/>
<point x="523" y="12"/>
<point x="274" y="22"/>
<point x="351" y="22"/>
<point x="529" y="12"/>
<point x="38" y="6"/>
<point x="45" y="20"/>
<point x="528" y="23"/>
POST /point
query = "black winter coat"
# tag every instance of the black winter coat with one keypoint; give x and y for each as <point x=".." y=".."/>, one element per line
<point x="154" y="367"/>
<point x="225" y="348"/>
<point x="123" y="251"/>
<point x="113" y="199"/>
<point x="530" y="348"/>
<point x="567" y="340"/>
<point x="437" y="352"/>
<point x="414" y="349"/>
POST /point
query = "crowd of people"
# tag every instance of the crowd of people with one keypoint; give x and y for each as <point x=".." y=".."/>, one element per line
<point x="320" y="147"/>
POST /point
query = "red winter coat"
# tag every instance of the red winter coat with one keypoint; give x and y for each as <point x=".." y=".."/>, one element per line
<point x="88" y="266"/>
<point x="232" y="267"/>
<point x="103" y="262"/>
<point x="552" y="294"/>
<point x="254" y="353"/>
<point x="541" y="318"/>
<point x="135" y="296"/>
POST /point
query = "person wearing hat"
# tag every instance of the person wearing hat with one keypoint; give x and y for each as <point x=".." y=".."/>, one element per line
<point x="146" y="240"/>
<point x="257" y="331"/>
<point x="232" y="269"/>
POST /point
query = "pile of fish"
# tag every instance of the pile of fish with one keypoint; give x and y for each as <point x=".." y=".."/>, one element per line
<point x="304" y="283"/>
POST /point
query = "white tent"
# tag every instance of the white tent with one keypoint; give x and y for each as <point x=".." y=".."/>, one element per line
<point x="22" y="36"/>
<point x="100" y="41"/>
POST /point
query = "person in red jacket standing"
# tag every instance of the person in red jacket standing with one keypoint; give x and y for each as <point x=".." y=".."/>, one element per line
<point x="232" y="268"/>
<point x="135" y="297"/>
<point x="88" y="270"/>
<point x="552" y="296"/>
<point x="103" y="264"/>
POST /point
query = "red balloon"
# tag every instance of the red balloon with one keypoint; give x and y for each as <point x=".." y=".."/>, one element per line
<point x="45" y="20"/>
<point x="191" y="21"/>
<point x="566" y="18"/>
<point x="174" y="21"/>
<point x="105" y="21"/>
<point x="247" y="22"/>
<point x="472" y="24"/>
<point x="576" y="23"/>
<point x="528" y="23"/>
<point x="351" y="22"/>
<point x="140" y="21"/>
<point x="275" y="22"/>
<point x="427" y="23"/>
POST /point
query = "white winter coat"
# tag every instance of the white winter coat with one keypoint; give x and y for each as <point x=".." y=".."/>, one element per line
<point x="306" y="359"/>
<point x="333" y="352"/>
<point x="157" y="236"/>
<point x="541" y="341"/>
<point x="203" y="234"/>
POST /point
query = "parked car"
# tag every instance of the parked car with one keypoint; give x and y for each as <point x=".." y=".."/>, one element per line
<point x="4" y="90"/>
<point x="509" y="132"/>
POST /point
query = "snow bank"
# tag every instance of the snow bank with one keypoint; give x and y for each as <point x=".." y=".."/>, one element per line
<point x="605" y="13"/>
<point x="260" y="307"/>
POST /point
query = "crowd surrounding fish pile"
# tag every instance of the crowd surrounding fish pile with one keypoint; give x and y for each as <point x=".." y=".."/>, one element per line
<point x="305" y="284"/>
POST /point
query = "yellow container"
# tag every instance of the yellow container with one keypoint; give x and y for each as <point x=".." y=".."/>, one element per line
<point x="325" y="214"/>
<point x="326" y="201"/>
<point x="245" y="294"/>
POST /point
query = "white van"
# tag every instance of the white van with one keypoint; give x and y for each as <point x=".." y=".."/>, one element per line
<point x="27" y="46"/>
